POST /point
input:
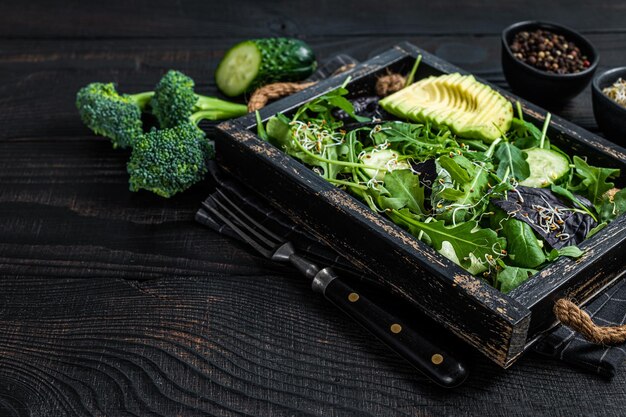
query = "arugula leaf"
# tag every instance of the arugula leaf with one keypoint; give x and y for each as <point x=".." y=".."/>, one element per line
<point x="405" y="186"/>
<point x="390" y="203"/>
<point x="569" y="251"/>
<point x="451" y="194"/>
<point x="512" y="277"/>
<point x="380" y="198"/>
<point x="460" y="168"/>
<point x="324" y="105"/>
<point x="525" y="135"/>
<point x="345" y="105"/>
<point x="461" y="202"/>
<point x="474" y="267"/>
<point x="467" y="239"/>
<point x="522" y="244"/>
<point x="510" y="158"/>
<point x="594" y="179"/>
<point x="474" y="189"/>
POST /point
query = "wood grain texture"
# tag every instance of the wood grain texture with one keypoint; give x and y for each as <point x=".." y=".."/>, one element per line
<point x="238" y="345"/>
<point x="212" y="19"/>
<point x="117" y="304"/>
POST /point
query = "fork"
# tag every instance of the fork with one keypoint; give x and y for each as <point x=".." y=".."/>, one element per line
<point x="433" y="361"/>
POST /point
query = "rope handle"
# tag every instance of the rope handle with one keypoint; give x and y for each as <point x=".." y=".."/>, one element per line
<point x="385" y="85"/>
<point x="572" y="316"/>
<point x="263" y="95"/>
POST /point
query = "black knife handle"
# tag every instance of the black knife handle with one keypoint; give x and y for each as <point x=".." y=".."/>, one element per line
<point x="433" y="361"/>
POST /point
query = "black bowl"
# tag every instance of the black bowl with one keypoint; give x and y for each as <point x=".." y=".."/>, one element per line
<point x="540" y="86"/>
<point x="610" y="116"/>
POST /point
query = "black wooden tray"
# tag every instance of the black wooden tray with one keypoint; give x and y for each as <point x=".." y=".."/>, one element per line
<point x="501" y="326"/>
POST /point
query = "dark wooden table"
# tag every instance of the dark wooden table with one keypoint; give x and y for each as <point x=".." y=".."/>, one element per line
<point x="115" y="303"/>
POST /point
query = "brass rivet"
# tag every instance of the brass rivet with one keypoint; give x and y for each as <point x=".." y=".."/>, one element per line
<point x="436" y="359"/>
<point x="396" y="328"/>
<point x="353" y="297"/>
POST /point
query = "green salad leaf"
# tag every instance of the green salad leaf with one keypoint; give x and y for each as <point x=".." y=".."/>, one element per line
<point x="522" y="244"/>
<point x="460" y="168"/>
<point x="524" y="134"/>
<point x="467" y="239"/>
<point x="594" y="179"/>
<point x="569" y="251"/>
<point x="511" y="161"/>
<point x="322" y="106"/>
<point x="343" y="103"/>
<point x="462" y="202"/>
<point x="278" y="131"/>
<point x="405" y="186"/>
<point x="512" y="277"/>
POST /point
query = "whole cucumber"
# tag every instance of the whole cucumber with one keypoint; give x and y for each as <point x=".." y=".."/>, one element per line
<point x="254" y="63"/>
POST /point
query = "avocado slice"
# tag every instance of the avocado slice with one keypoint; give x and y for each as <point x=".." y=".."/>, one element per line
<point x="470" y="109"/>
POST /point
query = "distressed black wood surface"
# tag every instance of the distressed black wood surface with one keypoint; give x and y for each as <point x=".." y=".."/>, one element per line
<point x="118" y="304"/>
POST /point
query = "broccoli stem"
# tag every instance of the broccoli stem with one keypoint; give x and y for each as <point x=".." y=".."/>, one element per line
<point x="212" y="103"/>
<point x="215" y="114"/>
<point x="142" y="99"/>
<point x="197" y="117"/>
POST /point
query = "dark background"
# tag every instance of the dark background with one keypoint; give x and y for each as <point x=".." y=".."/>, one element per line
<point x="115" y="303"/>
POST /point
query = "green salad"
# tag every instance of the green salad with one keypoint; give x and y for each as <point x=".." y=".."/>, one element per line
<point x="501" y="208"/>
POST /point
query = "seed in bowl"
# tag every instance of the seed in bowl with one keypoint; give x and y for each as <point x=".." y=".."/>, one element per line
<point x="617" y="92"/>
<point x="548" y="52"/>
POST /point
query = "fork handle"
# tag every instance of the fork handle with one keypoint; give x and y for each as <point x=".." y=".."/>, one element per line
<point x="433" y="361"/>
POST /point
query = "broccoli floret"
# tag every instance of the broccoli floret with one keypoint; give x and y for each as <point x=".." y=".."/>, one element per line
<point x="175" y="101"/>
<point x="168" y="161"/>
<point x="108" y="113"/>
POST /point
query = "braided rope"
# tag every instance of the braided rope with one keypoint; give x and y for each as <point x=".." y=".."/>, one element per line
<point x="385" y="85"/>
<point x="572" y="316"/>
<point x="268" y="92"/>
<point x="389" y="84"/>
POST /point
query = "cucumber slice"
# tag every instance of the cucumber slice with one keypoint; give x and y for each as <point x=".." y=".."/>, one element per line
<point x="546" y="167"/>
<point x="238" y="68"/>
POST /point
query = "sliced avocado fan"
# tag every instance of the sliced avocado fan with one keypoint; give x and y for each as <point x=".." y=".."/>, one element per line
<point x="470" y="109"/>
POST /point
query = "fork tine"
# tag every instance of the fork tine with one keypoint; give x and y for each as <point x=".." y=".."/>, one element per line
<point x="227" y="219"/>
<point x="269" y="234"/>
<point x="249" y="228"/>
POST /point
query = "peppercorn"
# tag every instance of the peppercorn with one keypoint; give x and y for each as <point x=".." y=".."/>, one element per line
<point x="548" y="52"/>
